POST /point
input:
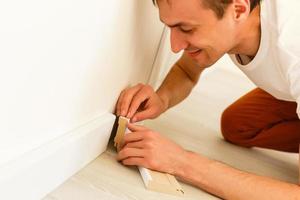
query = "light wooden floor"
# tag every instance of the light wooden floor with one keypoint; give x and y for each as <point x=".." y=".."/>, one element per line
<point x="194" y="124"/>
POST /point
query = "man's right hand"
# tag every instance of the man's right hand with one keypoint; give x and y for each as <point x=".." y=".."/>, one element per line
<point x="140" y="102"/>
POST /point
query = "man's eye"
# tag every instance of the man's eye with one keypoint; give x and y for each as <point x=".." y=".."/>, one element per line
<point x="185" y="30"/>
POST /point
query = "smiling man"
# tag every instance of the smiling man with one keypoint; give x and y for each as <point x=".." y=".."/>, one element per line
<point x="263" y="40"/>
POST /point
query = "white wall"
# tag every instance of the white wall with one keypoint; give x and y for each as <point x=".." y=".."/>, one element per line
<point x="63" y="64"/>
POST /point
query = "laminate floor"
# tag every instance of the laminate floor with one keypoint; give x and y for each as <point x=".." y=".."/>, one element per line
<point x="194" y="124"/>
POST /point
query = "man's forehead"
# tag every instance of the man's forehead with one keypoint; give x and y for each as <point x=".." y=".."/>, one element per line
<point x="179" y="11"/>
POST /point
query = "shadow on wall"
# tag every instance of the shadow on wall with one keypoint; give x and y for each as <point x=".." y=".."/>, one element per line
<point x="139" y="37"/>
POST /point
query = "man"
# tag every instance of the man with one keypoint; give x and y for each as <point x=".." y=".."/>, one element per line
<point x="263" y="40"/>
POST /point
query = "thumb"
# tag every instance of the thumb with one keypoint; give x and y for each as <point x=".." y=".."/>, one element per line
<point x="136" y="128"/>
<point x="140" y="116"/>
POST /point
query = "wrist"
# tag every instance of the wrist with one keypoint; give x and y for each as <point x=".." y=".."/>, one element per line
<point x="193" y="165"/>
<point x="164" y="100"/>
<point x="182" y="165"/>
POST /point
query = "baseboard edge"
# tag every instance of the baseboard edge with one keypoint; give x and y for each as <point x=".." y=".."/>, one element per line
<point x="38" y="172"/>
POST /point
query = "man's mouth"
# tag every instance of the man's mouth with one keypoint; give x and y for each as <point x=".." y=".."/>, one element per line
<point x="194" y="53"/>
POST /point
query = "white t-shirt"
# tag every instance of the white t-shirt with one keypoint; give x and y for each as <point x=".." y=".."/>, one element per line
<point x="276" y="66"/>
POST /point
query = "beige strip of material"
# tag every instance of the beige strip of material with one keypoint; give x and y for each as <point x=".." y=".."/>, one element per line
<point x="153" y="180"/>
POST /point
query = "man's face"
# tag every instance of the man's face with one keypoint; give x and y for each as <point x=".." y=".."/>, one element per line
<point x="197" y="30"/>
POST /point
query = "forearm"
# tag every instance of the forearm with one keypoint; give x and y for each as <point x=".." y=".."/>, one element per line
<point x="176" y="87"/>
<point x="180" y="81"/>
<point x="229" y="183"/>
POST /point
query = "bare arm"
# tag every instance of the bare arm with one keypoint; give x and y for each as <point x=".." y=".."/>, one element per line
<point x="230" y="183"/>
<point x="180" y="81"/>
<point x="142" y="102"/>
<point x="147" y="148"/>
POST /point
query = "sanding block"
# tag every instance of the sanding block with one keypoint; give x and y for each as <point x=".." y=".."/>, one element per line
<point x="153" y="180"/>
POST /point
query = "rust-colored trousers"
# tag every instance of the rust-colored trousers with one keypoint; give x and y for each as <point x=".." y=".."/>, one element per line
<point x="260" y="120"/>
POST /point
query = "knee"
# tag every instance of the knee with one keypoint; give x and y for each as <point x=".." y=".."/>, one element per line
<point x="228" y="128"/>
<point x="234" y="127"/>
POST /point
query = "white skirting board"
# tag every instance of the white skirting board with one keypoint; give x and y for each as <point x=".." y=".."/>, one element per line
<point x="36" y="173"/>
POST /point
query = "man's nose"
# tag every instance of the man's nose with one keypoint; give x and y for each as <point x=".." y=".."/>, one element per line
<point x="178" y="42"/>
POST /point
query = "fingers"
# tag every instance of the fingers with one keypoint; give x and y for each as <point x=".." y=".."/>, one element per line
<point x="135" y="161"/>
<point x="137" y="145"/>
<point x="140" y="116"/>
<point x="130" y="152"/>
<point x="131" y="99"/>
<point x="131" y="137"/>
<point x="145" y="93"/>
<point x="133" y="156"/>
<point x="136" y="128"/>
<point x="126" y="98"/>
<point x="137" y="134"/>
<point x="136" y="138"/>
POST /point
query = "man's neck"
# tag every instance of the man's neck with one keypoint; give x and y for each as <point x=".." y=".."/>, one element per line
<point x="249" y="36"/>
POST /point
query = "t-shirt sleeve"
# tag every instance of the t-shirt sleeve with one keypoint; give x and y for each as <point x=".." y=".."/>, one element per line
<point x="294" y="79"/>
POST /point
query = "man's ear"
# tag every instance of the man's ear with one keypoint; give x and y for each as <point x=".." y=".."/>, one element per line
<point x="241" y="9"/>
